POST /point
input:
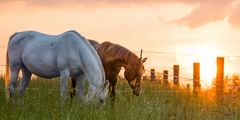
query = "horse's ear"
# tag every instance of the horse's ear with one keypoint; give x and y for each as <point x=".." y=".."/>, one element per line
<point x="144" y="60"/>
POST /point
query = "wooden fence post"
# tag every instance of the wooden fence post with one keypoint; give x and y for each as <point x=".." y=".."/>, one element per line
<point x="220" y="76"/>
<point x="165" y="77"/>
<point x="141" y="52"/>
<point x="196" y="78"/>
<point x="188" y="86"/>
<point x="176" y="74"/>
<point x="152" y="75"/>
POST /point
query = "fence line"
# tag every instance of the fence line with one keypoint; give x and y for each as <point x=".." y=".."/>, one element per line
<point x="183" y="54"/>
<point x="172" y="53"/>
<point x="159" y="75"/>
<point x="182" y="78"/>
<point x="121" y="91"/>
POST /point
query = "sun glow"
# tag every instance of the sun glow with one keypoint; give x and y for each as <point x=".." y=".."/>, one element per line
<point x="207" y="68"/>
<point x="206" y="56"/>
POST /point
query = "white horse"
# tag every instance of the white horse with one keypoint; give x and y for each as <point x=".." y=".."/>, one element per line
<point x="66" y="55"/>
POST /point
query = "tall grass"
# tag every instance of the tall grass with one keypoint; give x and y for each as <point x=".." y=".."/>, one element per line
<point x="154" y="103"/>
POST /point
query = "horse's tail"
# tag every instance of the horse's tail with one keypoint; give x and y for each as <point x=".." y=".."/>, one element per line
<point x="7" y="71"/>
<point x="7" y="75"/>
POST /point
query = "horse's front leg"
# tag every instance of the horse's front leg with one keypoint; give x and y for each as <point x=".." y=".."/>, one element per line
<point x="113" y="85"/>
<point x="91" y="93"/>
<point x="64" y="75"/>
<point x="80" y="86"/>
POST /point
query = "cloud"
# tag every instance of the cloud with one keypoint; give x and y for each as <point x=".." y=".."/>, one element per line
<point x="234" y="17"/>
<point x="87" y="2"/>
<point x="206" y="11"/>
<point x="211" y="11"/>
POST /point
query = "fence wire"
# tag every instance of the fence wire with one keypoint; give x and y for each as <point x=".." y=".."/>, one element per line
<point x="160" y="75"/>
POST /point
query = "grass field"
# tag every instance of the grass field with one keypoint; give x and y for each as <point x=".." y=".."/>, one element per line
<point x="154" y="103"/>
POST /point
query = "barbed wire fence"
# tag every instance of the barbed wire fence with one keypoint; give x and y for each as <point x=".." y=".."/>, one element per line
<point x="228" y="99"/>
<point x="228" y="59"/>
<point x="159" y="76"/>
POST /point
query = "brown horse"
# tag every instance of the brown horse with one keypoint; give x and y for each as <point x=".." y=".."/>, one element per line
<point x="113" y="57"/>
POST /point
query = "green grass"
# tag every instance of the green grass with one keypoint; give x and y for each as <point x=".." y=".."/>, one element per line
<point x="154" y="103"/>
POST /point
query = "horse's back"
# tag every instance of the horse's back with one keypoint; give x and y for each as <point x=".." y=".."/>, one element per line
<point x="22" y="41"/>
<point x="16" y="45"/>
<point x="40" y="53"/>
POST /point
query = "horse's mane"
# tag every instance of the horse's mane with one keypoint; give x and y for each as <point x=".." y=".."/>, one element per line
<point x="94" y="43"/>
<point x="93" y="50"/>
<point x="110" y="52"/>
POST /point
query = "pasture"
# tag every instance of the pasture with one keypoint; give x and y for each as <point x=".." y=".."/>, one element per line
<point x="154" y="103"/>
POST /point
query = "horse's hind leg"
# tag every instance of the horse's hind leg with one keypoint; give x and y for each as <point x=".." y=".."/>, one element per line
<point x="73" y="85"/>
<point x="25" y="81"/>
<point x="13" y="78"/>
<point x="64" y="75"/>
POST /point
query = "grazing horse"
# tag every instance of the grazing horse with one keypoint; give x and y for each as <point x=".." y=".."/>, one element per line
<point x="65" y="55"/>
<point x="114" y="57"/>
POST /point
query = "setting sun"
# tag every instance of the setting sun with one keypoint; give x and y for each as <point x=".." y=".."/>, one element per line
<point x="206" y="56"/>
<point x="208" y="71"/>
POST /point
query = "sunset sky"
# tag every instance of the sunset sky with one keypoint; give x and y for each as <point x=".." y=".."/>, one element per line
<point x="193" y="30"/>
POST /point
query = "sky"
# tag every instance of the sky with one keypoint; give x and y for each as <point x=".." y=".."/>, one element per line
<point x="193" y="30"/>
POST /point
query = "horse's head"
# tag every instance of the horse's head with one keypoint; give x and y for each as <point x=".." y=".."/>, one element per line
<point x="103" y="92"/>
<point x="133" y="74"/>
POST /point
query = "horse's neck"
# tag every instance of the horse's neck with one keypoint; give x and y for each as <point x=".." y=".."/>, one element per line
<point x="112" y="59"/>
<point x="94" y="72"/>
<point x="114" y="66"/>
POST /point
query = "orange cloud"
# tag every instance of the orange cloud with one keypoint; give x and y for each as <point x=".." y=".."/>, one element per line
<point x="88" y="2"/>
<point x="207" y="11"/>
<point x="63" y="4"/>
<point x="234" y="17"/>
